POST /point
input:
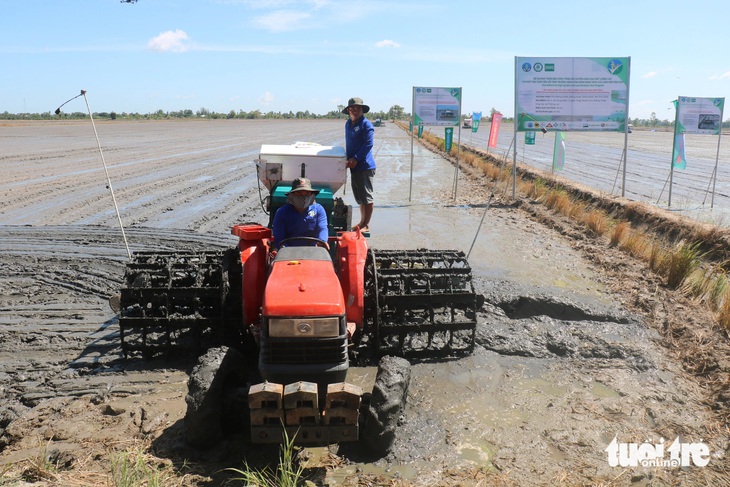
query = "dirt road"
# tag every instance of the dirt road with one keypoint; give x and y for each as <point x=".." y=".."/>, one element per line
<point x="571" y="351"/>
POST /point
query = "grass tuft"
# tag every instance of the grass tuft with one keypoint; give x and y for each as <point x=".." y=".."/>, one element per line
<point x="287" y="474"/>
<point x="723" y="314"/>
<point x="682" y="261"/>
<point x="558" y="201"/>
<point x="596" y="222"/>
<point x="132" y="468"/>
<point x="707" y="286"/>
<point x="619" y="233"/>
<point x="637" y="244"/>
<point x="40" y="467"/>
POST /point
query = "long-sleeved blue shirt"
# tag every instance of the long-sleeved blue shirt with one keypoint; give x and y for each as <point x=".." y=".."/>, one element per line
<point x="288" y="222"/>
<point x="359" y="141"/>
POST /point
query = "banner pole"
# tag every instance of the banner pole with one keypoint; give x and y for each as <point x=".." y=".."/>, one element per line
<point x="674" y="146"/>
<point x="671" y="173"/>
<point x="413" y="126"/>
<point x="709" y="183"/>
<point x="717" y="158"/>
<point x="458" y="147"/>
<point x="618" y="170"/>
<point x="626" y="131"/>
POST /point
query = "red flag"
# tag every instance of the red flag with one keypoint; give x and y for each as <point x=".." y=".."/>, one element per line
<point x="494" y="129"/>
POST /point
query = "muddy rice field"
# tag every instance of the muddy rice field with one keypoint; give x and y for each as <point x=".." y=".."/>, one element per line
<point x="581" y="351"/>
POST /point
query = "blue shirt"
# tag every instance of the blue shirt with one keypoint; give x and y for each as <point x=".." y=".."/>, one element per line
<point x="359" y="141"/>
<point x="288" y="222"/>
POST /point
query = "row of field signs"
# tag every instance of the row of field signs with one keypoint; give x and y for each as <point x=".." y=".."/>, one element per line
<point x="563" y="94"/>
<point x="569" y="94"/>
<point x="552" y="93"/>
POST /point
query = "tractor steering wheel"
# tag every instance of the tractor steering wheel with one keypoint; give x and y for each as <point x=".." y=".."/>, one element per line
<point x="318" y="241"/>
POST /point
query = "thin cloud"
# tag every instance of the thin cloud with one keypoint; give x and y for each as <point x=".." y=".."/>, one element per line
<point x="650" y="74"/>
<point x="387" y="43"/>
<point x="269" y="4"/>
<point x="283" y="21"/>
<point x="266" y="98"/>
<point x="170" y="41"/>
<point x="725" y="75"/>
<point x="291" y="15"/>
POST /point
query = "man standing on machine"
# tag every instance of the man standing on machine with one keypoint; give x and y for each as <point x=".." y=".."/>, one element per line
<point x="359" y="140"/>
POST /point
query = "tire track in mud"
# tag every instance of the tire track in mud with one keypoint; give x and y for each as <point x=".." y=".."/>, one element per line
<point x="55" y="322"/>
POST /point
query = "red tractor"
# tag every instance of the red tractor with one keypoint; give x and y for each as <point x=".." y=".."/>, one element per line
<point x="302" y="315"/>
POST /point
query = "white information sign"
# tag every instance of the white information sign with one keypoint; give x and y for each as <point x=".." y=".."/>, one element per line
<point x="569" y="94"/>
<point x="699" y="115"/>
<point x="436" y="106"/>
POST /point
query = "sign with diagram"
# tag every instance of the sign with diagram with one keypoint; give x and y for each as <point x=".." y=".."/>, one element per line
<point x="571" y="94"/>
<point x="436" y="106"/>
<point x="699" y="115"/>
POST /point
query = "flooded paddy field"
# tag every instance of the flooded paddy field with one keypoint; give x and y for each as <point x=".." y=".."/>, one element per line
<point x="571" y="345"/>
<point x="595" y="159"/>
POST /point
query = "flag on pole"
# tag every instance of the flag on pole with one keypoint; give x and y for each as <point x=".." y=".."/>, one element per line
<point x="475" y="119"/>
<point x="448" y="138"/>
<point x="679" y="160"/>
<point x="559" y="151"/>
<point x="494" y="129"/>
<point x="530" y="137"/>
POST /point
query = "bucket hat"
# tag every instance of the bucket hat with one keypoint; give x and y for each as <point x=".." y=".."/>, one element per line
<point x="302" y="184"/>
<point x="356" y="101"/>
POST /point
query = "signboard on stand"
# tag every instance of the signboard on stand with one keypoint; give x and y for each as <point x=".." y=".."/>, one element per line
<point x="699" y="115"/>
<point x="567" y="94"/>
<point x="437" y="106"/>
<point x="561" y="94"/>
<point x="695" y="115"/>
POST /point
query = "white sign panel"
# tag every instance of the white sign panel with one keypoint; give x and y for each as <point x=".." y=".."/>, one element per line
<point x="436" y="106"/>
<point x="568" y="94"/>
<point x="699" y="115"/>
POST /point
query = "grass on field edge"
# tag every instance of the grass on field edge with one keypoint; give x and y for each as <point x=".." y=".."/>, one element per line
<point x="690" y="256"/>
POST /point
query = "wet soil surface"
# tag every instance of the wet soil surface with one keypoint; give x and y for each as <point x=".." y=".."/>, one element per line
<point x="577" y="343"/>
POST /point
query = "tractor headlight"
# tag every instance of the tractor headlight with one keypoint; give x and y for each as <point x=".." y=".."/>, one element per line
<point x="304" y="327"/>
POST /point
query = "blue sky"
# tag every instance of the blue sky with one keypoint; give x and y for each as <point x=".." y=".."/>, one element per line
<point x="296" y="55"/>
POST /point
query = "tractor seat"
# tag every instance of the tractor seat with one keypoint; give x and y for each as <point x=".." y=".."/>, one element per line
<point x="302" y="253"/>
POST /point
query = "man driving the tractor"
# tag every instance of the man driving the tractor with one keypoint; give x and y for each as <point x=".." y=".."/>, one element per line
<point x="301" y="219"/>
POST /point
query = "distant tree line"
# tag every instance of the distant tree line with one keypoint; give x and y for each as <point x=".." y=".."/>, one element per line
<point x="395" y="112"/>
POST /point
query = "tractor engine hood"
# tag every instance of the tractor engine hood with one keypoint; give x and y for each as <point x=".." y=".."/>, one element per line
<point x="303" y="288"/>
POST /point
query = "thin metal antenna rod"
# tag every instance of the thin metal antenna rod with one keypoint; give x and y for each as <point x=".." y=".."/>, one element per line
<point x="106" y="171"/>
